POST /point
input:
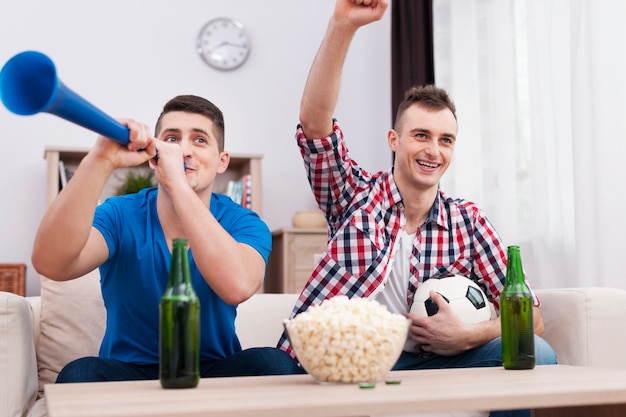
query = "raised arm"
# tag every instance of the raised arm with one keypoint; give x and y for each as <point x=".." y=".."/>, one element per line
<point x="66" y="246"/>
<point x="324" y="80"/>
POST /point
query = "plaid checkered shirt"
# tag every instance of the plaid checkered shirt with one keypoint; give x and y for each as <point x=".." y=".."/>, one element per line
<point x="364" y="213"/>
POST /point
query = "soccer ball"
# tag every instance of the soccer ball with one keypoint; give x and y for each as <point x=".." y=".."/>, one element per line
<point x="465" y="297"/>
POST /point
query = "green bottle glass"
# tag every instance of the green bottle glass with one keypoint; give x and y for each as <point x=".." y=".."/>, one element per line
<point x="179" y="320"/>
<point x="516" y="316"/>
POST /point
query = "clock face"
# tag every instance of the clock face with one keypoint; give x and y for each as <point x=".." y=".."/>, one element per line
<point x="223" y="43"/>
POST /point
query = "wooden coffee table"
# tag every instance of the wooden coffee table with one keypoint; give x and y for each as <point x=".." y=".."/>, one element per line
<point x="552" y="390"/>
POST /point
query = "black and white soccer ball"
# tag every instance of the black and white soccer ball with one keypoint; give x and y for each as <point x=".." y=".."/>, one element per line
<point x="465" y="297"/>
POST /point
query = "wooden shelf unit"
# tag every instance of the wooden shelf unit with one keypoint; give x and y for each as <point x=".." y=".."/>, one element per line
<point x="292" y="259"/>
<point x="240" y="164"/>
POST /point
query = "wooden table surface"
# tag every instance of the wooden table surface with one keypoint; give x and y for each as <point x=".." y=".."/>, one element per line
<point x="299" y="395"/>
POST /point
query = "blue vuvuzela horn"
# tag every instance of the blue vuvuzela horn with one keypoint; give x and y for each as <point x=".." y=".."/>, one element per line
<point x="29" y="85"/>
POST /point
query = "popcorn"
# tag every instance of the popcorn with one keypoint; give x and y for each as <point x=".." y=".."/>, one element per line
<point x="347" y="340"/>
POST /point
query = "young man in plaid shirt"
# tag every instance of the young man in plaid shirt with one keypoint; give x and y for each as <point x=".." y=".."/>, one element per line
<point x="390" y="231"/>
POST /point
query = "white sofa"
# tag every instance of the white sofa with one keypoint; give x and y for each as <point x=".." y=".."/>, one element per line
<point x="38" y="335"/>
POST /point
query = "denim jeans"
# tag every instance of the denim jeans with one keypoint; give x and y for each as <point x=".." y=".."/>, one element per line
<point x="249" y="362"/>
<point x="489" y="354"/>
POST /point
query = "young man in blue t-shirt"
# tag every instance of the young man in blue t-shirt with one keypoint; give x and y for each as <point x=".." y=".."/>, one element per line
<point x="129" y="238"/>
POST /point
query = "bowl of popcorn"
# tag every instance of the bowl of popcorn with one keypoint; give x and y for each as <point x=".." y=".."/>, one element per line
<point x="346" y="340"/>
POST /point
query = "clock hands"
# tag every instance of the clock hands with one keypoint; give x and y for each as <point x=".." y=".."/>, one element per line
<point x="225" y="43"/>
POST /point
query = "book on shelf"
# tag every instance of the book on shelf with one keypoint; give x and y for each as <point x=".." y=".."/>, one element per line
<point x="240" y="191"/>
<point x="247" y="192"/>
<point x="65" y="173"/>
<point x="62" y="174"/>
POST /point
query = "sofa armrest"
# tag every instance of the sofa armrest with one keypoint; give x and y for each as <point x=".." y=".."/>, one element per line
<point x="18" y="364"/>
<point x="583" y="325"/>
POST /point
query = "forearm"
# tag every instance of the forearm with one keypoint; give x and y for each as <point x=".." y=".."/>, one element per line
<point x="323" y="83"/>
<point x="486" y="331"/>
<point x="322" y="87"/>
<point x="482" y="333"/>
<point x="66" y="225"/>
<point x="232" y="269"/>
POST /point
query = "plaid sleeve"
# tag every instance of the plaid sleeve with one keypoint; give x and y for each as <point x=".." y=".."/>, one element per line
<point x="333" y="175"/>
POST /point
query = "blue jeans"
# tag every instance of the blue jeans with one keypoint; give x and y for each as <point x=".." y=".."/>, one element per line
<point x="249" y="362"/>
<point x="489" y="354"/>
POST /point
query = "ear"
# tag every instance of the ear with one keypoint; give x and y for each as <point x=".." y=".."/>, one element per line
<point x="224" y="162"/>
<point x="392" y="139"/>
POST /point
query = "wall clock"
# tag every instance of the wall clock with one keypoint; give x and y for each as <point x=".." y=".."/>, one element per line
<point x="223" y="43"/>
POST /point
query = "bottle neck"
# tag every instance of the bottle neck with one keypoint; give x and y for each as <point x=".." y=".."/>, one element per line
<point x="179" y="268"/>
<point x="514" y="269"/>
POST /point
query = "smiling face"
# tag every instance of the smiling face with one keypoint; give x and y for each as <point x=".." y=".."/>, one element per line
<point x="423" y="142"/>
<point x="195" y="134"/>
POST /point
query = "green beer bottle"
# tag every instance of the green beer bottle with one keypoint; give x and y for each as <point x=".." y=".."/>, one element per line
<point x="179" y="320"/>
<point x="516" y="316"/>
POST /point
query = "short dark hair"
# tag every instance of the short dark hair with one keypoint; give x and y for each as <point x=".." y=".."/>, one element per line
<point x="430" y="97"/>
<point x="198" y="105"/>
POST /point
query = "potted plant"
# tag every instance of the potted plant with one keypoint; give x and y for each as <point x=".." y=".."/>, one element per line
<point x="135" y="181"/>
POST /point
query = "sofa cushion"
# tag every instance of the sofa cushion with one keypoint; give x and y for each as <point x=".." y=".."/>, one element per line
<point x="72" y="323"/>
<point x="17" y="355"/>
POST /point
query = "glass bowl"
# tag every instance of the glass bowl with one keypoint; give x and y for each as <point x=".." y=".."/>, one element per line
<point x="347" y="340"/>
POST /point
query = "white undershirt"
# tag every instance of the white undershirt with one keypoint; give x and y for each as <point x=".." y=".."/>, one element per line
<point x="396" y="282"/>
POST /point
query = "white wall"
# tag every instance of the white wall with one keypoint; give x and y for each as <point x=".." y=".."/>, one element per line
<point x="129" y="57"/>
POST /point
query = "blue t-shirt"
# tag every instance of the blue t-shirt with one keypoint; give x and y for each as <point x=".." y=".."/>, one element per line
<point x="135" y="275"/>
